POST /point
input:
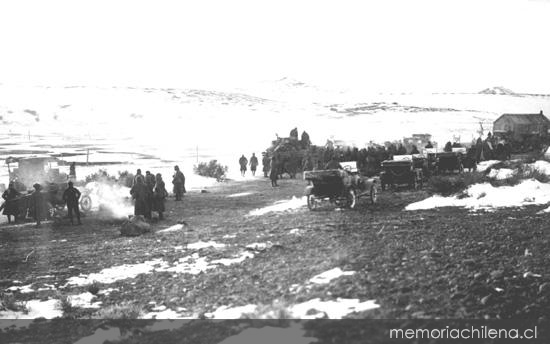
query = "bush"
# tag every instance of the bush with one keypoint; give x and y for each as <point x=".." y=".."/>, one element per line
<point x="9" y="303"/>
<point x="212" y="169"/>
<point x="126" y="178"/>
<point x="124" y="310"/>
<point x="100" y="176"/>
<point x="448" y="185"/>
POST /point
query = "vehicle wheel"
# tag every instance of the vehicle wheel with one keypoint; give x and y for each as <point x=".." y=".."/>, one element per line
<point x="373" y="194"/>
<point x="86" y="203"/>
<point x="311" y="202"/>
<point x="352" y="199"/>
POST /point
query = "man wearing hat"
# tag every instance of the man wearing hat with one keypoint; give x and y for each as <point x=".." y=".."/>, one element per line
<point x="38" y="204"/>
<point x="71" y="197"/>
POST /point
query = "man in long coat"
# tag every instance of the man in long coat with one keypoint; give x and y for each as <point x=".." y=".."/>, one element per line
<point x="141" y="194"/>
<point x="253" y="164"/>
<point x="179" y="183"/>
<point x="10" y="206"/>
<point x="71" y="196"/>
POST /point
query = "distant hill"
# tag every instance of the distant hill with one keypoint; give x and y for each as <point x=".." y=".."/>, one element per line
<point x="498" y="90"/>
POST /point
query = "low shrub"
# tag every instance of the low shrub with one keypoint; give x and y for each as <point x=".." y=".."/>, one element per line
<point x="124" y="310"/>
<point x="100" y="176"/>
<point x="9" y="303"/>
<point x="211" y="169"/>
<point x="448" y="185"/>
<point x="126" y="178"/>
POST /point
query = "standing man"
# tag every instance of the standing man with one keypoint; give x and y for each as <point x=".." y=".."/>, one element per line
<point x="253" y="164"/>
<point x="138" y="174"/>
<point x="71" y="197"/>
<point x="179" y="183"/>
<point x="10" y="206"/>
<point x="38" y="204"/>
<point x="274" y="173"/>
<point x="150" y="183"/>
<point x="243" y="162"/>
<point x="141" y="194"/>
<point x="266" y="163"/>
<point x="72" y="171"/>
<point x="159" y="195"/>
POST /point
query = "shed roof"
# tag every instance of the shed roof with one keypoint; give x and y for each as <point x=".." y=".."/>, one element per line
<point x="525" y="118"/>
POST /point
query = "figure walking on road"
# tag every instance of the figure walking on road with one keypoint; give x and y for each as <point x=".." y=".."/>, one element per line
<point x="253" y="164"/>
<point x="274" y="173"/>
<point x="71" y="197"/>
<point x="141" y="194"/>
<point x="243" y="162"/>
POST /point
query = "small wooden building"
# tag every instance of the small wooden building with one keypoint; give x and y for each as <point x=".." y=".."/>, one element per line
<point x="520" y="125"/>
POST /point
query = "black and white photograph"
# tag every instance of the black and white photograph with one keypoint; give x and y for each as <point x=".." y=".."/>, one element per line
<point x="239" y="171"/>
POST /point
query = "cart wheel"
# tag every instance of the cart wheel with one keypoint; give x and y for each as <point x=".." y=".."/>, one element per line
<point x="86" y="203"/>
<point x="352" y="199"/>
<point x="311" y="202"/>
<point x="373" y="194"/>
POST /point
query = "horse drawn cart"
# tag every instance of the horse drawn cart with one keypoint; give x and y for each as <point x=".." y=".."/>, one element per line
<point x="342" y="187"/>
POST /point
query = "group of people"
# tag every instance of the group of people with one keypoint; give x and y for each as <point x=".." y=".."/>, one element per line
<point x="10" y="207"/>
<point x="149" y="192"/>
<point x="243" y="163"/>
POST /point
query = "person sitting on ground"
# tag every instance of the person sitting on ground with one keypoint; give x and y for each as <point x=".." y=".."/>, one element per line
<point x="71" y="196"/>
<point x="10" y="206"/>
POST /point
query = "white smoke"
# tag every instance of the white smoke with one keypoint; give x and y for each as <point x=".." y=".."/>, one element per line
<point x="114" y="198"/>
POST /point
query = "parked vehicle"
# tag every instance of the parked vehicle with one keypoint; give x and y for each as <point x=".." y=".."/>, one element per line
<point x="43" y="170"/>
<point x="449" y="162"/>
<point x="342" y="187"/>
<point x="397" y="173"/>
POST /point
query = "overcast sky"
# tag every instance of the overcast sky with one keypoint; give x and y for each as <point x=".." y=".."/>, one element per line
<point x="453" y="45"/>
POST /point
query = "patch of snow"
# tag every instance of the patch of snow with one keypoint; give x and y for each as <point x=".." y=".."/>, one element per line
<point x="294" y="203"/>
<point x="193" y="265"/>
<point x="541" y="166"/>
<point x="240" y="194"/>
<point x="329" y="275"/>
<point x="116" y="273"/>
<point x="295" y="231"/>
<point x="107" y="291"/>
<point x="502" y="173"/>
<point x="259" y="246"/>
<point x="229" y="236"/>
<point x="334" y="309"/>
<point x="48" y="309"/>
<point x="226" y="312"/>
<point x="485" y="165"/>
<point x="230" y="261"/>
<point x="294" y="334"/>
<point x="201" y="244"/>
<point x="486" y="196"/>
<point x="24" y="289"/>
<point x="46" y="276"/>
<point x="84" y="300"/>
<point x="173" y="228"/>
